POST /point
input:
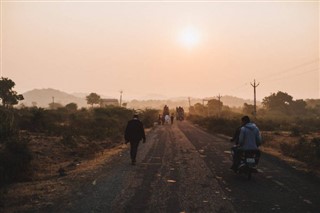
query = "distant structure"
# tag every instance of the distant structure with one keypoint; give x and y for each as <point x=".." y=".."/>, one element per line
<point x="109" y="102"/>
<point x="121" y="98"/>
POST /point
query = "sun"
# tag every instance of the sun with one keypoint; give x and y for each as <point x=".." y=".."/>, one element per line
<point x="189" y="37"/>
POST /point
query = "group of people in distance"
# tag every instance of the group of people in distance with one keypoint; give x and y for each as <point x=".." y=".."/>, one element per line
<point x="246" y="137"/>
<point x="166" y="118"/>
<point x="180" y="113"/>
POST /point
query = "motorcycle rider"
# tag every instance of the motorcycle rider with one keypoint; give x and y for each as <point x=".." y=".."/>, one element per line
<point x="247" y="137"/>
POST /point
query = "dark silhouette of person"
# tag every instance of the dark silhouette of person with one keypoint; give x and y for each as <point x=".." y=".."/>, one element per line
<point x="172" y="117"/>
<point x="134" y="133"/>
<point x="247" y="137"/>
<point x="235" y="148"/>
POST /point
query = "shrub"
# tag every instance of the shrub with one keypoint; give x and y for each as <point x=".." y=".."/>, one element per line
<point x="316" y="143"/>
<point x="220" y="125"/>
<point x="295" y="131"/>
<point x="7" y="123"/>
<point x="267" y="137"/>
<point x="304" y="150"/>
<point x="15" y="159"/>
<point x="149" y="116"/>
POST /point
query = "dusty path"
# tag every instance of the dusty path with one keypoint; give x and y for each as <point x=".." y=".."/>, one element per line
<point x="184" y="169"/>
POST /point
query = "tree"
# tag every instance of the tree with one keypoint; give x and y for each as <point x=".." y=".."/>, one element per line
<point x="8" y="96"/>
<point x="93" y="98"/>
<point x="71" y="107"/>
<point x="248" y="109"/>
<point x="298" y="106"/>
<point x="284" y="103"/>
<point x="214" y="107"/>
<point x="278" y="102"/>
<point x="199" y="109"/>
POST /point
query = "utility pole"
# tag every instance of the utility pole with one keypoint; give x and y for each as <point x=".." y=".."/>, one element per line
<point x="52" y="102"/>
<point x="254" y="85"/>
<point x="121" y="97"/>
<point x="219" y="97"/>
<point x="189" y="102"/>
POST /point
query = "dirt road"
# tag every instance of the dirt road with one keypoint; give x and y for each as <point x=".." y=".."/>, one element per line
<point x="181" y="168"/>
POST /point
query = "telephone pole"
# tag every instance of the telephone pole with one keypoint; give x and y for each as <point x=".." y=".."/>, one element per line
<point x="52" y="102"/>
<point x="189" y="102"/>
<point x="254" y="85"/>
<point x="219" y="98"/>
<point x="121" y="97"/>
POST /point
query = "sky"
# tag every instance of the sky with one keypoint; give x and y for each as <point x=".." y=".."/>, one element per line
<point x="151" y="49"/>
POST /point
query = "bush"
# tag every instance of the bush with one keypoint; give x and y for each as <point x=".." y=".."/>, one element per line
<point x="15" y="159"/>
<point x="148" y="117"/>
<point x="295" y="131"/>
<point x="7" y="123"/>
<point x="304" y="150"/>
<point x="316" y="143"/>
<point x="220" y="125"/>
<point x="267" y="138"/>
<point x="223" y="126"/>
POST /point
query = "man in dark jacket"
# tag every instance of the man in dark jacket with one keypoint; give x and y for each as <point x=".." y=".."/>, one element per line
<point x="247" y="137"/>
<point x="134" y="134"/>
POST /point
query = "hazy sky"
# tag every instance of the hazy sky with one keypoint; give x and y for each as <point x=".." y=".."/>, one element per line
<point x="195" y="49"/>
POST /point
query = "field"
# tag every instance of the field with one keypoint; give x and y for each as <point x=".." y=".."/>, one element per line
<point x="48" y="182"/>
<point x="302" y="152"/>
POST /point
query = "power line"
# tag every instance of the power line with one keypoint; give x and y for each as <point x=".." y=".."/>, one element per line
<point x="290" y="69"/>
<point x="297" y="74"/>
<point x="265" y="79"/>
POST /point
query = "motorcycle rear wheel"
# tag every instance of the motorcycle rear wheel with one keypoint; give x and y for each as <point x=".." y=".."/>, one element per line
<point x="249" y="175"/>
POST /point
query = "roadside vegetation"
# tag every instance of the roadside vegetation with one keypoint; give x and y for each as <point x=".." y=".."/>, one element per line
<point x="37" y="143"/>
<point x="291" y="127"/>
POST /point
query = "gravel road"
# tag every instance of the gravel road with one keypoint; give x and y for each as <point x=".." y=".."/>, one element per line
<point x="181" y="168"/>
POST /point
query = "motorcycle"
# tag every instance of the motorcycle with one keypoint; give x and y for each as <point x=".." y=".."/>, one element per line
<point x="248" y="162"/>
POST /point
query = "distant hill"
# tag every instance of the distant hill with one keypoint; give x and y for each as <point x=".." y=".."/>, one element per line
<point x="42" y="98"/>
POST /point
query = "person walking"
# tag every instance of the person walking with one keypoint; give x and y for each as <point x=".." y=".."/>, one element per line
<point x="172" y="118"/>
<point x="134" y="133"/>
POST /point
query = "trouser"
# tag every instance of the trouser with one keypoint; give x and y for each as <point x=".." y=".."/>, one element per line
<point x="133" y="149"/>
<point x="237" y="152"/>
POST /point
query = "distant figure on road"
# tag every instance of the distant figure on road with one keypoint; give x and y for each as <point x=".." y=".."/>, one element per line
<point x="134" y="134"/>
<point x="159" y="119"/>
<point x="247" y="137"/>
<point x="167" y="119"/>
<point x="172" y="117"/>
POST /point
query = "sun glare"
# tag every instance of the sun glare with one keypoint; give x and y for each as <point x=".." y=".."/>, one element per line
<point x="189" y="37"/>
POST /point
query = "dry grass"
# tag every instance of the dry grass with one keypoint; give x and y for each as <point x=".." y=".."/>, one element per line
<point x="284" y="146"/>
<point x="49" y="156"/>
